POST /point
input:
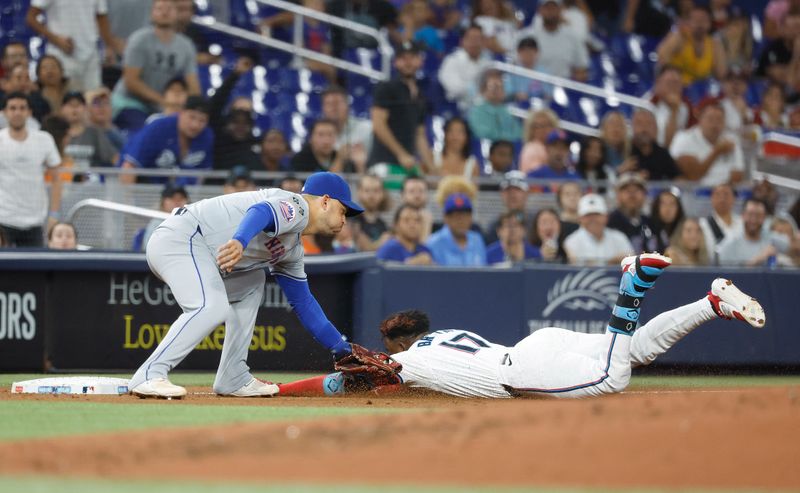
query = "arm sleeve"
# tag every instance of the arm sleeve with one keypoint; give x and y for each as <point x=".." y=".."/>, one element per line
<point x="259" y="217"/>
<point x="311" y="315"/>
<point x="52" y="158"/>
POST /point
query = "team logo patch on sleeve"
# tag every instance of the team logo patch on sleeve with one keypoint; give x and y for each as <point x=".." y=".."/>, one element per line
<point x="287" y="210"/>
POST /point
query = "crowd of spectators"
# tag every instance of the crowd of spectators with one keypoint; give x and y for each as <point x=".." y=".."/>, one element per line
<point x="118" y="86"/>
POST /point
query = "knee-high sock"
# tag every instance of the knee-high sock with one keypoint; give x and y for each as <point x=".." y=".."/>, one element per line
<point x="662" y="332"/>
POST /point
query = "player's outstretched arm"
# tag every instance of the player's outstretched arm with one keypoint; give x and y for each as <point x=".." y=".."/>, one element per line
<point x="311" y="315"/>
<point x="332" y="384"/>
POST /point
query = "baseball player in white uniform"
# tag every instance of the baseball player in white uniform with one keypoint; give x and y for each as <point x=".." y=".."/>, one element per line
<point x="551" y="361"/>
<point x="213" y="255"/>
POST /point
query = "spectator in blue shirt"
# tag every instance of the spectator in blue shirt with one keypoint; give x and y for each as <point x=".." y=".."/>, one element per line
<point x="405" y="245"/>
<point x="181" y="141"/>
<point x="455" y="244"/>
<point x="558" y="166"/>
<point x="521" y="89"/>
<point x="511" y="247"/>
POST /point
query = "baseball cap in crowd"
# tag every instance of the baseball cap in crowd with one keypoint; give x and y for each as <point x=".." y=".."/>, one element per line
<point x="239" y="172"/>
<point x="334" y="186"/>
<point x="197" y="103"/>
<point x="457" y="202"/>
<point x="172" y="190"/>
<point x="514" y="178"/>
<point x="408" y="47"/>
<point x="631" y="179"/>
<point x="93" y="94"/>
<point x="591" y="203"/>
<point x="556" y="135"/>
<point x="71" y="95"/>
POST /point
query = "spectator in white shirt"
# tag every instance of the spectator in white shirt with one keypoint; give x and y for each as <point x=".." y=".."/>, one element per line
<point x="71" y="31"/>
<point x="707" y="153"/>
<point x="562" y="52"/>
<point x="461" y="70"/>
<point x="723" y="221"/>
<point x="672" y="110"/>
<point x="593" y="243"/>
<point x="354" y="139"/>
<point x="25" y="157"/>
<point x="752" y="245"/>
<point x="496" y="18"/>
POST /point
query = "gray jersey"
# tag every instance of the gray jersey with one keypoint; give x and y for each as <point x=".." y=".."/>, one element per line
<point x="281" y="251"/>
<point x="160" y="63"/>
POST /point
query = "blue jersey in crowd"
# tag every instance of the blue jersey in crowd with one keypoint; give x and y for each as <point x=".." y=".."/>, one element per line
<point x="394" y="250"/>
<point x="551" y="174"/>
<point x="156" y="146"/>
<point x="495" y="253"/>
<point x="446" y="251"/>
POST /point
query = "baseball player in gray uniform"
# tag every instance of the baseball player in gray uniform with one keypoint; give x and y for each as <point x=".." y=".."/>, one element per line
<point x="552" y="361"/>
<point x="213" y="255"/>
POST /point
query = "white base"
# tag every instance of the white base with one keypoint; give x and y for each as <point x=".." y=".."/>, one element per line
<point x="87" y="385"/>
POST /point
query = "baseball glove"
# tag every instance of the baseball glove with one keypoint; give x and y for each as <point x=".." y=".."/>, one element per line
<point x="365" y="370"/>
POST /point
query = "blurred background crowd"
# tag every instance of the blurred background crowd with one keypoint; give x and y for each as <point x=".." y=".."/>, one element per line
<point x="458" y="159"/>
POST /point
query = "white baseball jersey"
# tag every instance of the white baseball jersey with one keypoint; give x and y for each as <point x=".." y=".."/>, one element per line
<point x="281" y="251"/>
<point x="455" y="362"/>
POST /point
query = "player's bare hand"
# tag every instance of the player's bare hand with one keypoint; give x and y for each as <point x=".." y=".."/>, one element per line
<point x="229" y="255"/>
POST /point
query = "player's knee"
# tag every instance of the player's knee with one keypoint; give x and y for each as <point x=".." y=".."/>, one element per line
<point x="616" y="384"/>
<point x="216" y="311"/>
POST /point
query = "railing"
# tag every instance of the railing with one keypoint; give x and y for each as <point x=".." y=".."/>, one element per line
<point x="108" y="205"/>
<point x="613" y="97"/>
<point x="296" y="47"/>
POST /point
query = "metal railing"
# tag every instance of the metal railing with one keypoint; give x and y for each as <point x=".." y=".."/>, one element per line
<point x="297" y="49"/>
<point x="611" y="96"/>
<point x="108" y="205"/>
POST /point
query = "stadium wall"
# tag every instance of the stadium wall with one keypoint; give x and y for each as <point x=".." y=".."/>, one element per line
<point x="106" y="311"/>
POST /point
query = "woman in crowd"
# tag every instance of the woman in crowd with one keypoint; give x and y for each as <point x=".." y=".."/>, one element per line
<point x="51" y="80"/>
<point x="688" y="245"/>
<point x="614" y="133"/>
<point x="456" y="157"/>
<point x="62" y="236"/>
<point x="567" y="198"/>
<point x="592" y="163"/>
<point x="772" y="113"/>
<point x="538" y="125"/>
<point x="546" y="235"/>
<point x="667" y="214"/>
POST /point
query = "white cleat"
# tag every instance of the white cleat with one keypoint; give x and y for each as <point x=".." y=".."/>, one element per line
<point x="255" y="388"/>
<point x="729" y="302"/>
<point x="654" y="259"/>
<point x="159" y="388"/>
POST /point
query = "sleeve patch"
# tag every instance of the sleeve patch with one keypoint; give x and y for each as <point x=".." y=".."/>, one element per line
<point x="287" y="210"/>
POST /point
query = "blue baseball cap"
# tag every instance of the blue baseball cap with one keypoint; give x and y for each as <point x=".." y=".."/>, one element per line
<point x="556" y="135"/>
<point x="457" y="202"/>
<point x="333" y="186"/>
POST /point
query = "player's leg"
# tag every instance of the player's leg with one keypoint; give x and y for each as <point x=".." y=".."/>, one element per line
<point x="724" y="300"/>
<point x="245" y="292"/>
<point x="183" y="260"/>
<point x="562" y="363"/>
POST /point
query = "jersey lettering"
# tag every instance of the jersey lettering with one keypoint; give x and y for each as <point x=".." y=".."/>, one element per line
<point x="276" y="250"/>
<point x="475" y="346"/>
<point x="425" y="341"/>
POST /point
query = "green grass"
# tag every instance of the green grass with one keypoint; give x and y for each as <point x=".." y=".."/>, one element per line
<point x="690" y="382"/>
<point x="35" y="419"/>
<point x="73" y="485"/>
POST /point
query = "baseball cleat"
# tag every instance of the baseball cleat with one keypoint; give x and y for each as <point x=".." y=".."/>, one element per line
<point x="639" y="273"/>
<point x="159" y="388"/>
<point x="255" y="388"/>
<point x="729" y="302"/>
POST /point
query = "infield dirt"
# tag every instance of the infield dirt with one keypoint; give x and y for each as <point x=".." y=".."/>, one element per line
<point x="710" y="438"/>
